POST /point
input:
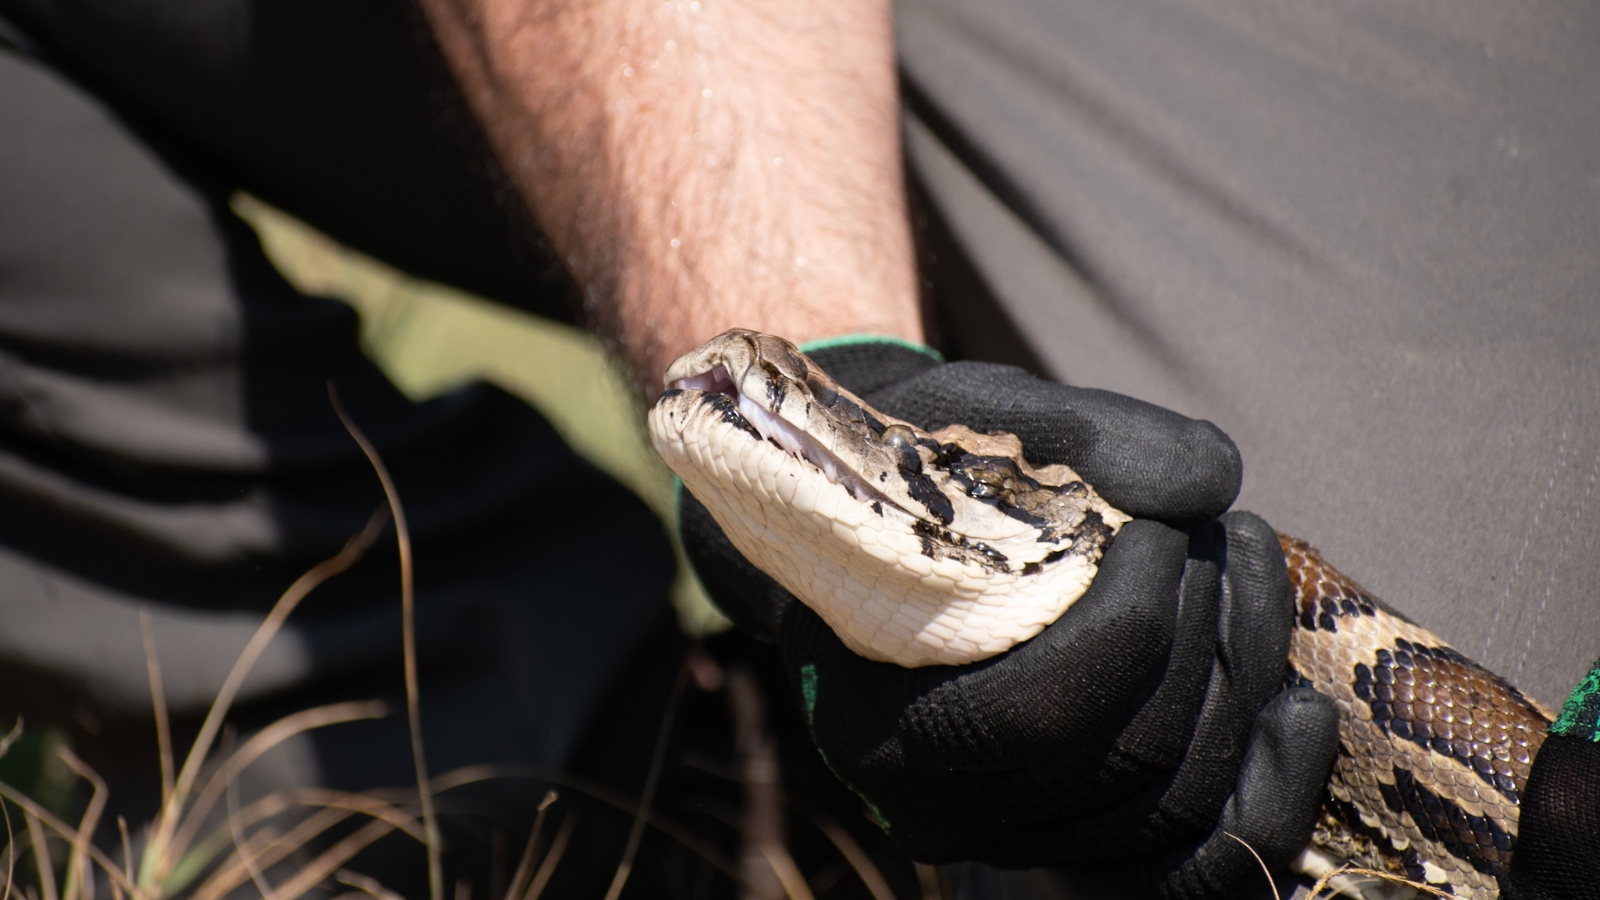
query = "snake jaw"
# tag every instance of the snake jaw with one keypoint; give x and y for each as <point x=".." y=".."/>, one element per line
<point x="907" y="540"/>
<point x="771" y="426"/>
<point x="790" y="402"/>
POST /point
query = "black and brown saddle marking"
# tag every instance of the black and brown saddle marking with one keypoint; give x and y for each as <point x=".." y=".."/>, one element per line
<point x="1461" y="739"/>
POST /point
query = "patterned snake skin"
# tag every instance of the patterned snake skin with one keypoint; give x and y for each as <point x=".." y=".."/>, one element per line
<point x="947" y="547"/>
<point x="1434" y="749"/>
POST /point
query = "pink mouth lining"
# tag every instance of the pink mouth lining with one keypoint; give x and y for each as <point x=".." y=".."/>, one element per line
<point x="784" y="435"/>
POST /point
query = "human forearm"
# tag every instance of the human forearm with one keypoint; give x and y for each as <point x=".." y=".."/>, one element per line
<point x="701" y="165"/>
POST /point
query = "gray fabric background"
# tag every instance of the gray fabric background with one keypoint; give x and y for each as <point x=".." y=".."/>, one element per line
<point x="1361" y="237"/>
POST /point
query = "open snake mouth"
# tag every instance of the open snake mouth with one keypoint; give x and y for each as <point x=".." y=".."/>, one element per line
<point x="961" y="493"/>
<point x="904" y="540"/>
<point x="764" y="424"/>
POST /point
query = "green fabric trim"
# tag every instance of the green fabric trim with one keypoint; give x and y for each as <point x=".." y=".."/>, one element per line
<point x="876" y="815"/>
<point x="851" y="340"/>
<point x="808" y="692"/>
<point x="1580" y="715"/>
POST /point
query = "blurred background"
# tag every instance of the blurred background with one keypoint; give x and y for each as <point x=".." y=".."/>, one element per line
<point x="429" y="338"/>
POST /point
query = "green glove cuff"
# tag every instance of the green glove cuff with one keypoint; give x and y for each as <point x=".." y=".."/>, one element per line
<point x="1580" y="715"/>
<point x="850" y="340"/>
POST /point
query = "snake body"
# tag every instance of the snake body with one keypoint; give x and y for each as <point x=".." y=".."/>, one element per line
<point x="948" y="547"/>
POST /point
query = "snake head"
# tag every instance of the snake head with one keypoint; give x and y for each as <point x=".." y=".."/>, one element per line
<point x="885" y="529"/>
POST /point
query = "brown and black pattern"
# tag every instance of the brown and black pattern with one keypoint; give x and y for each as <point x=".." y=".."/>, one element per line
<point x="1441" y="805"/>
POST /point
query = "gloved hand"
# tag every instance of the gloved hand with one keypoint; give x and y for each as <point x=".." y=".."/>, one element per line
<point x="1136" y="729"/>
<point x="1557" y="856"/>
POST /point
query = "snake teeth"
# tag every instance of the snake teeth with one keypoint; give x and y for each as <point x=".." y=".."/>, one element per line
<point x="787" y="437"/>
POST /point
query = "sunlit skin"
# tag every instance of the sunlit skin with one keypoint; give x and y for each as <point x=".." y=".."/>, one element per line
<point x="701" y="165"/>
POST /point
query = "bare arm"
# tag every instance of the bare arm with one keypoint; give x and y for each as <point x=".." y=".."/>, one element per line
<point x="704" y="164"/>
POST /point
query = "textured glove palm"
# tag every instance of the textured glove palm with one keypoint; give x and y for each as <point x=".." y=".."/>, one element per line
<point x="1138" y="727"/>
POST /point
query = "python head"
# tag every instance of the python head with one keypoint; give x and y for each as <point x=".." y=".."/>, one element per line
<point x="917" y="548"/>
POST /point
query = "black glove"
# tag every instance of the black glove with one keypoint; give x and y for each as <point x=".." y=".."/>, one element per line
<point x="1557" y="856"/>
<point x="1134" y="730"/>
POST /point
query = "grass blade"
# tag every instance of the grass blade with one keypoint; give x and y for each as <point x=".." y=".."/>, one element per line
<point x="157" y="860"/>
<point x="241" y="847"/>
<point x="1259" y="861"/>
<point x="80" y="874"/>
<point x="547" y="868"/>
<point x="127" y="857"/>
<point x="259" y="744"/>
<point x="519" y="879"/>
<point x="12" y="736"/>
<point x="332" y="859"/>
<point x="11" y="851"/>
<point x="336" y="806"/>
<point x="408" y="631"/>
<point x="41" y="856"/>
<point x="365" y="884"/>
<point x="794" y="884"/>
<point x="850" y="849"/>
<point x="683" y="836"/>
<point x="158" y="703"/>
<point x="268" y="850"/>
<point x="1348" y="879"/>
<point x="30" y="807"/>
<point x="652" y="778"/>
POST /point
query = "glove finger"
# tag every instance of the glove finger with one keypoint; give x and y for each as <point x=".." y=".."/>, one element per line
<point x="1557" y="856"/>
<point x="962" y="759"/>
<point x="1234" y="580"/>
<point x="1246" y="668"/>
<point x="1276" y="802"/>
<point x="1148" y="461"/>
<point x="1066" y="693"/>
<point x="1257" y="611"/>
<point x="745" y="594"/>
<point x="1151" y="766"/>
<point x="1157" y="740"/>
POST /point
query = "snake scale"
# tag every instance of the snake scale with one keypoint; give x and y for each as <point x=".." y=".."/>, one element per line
<point x="948" y="547"/>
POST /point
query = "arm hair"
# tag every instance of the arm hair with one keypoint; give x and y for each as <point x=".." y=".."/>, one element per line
<point x="701" y="165"/>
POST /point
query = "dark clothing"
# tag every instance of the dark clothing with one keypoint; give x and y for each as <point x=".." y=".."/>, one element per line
<point x="1362" y="239"/>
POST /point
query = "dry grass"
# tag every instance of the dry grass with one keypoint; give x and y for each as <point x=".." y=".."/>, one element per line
<point x="408" y="619"/>
<point x="189" y="854"/>
<point x="1352" y="881"/>
<point x="179" y="847"/>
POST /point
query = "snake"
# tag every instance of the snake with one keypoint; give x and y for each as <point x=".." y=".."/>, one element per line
<point x="948" y="547"/>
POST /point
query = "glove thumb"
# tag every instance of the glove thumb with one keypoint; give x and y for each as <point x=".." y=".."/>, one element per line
<point x="1275" y="801"/>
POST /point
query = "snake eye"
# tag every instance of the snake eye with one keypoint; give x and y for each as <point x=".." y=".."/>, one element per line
<point x="899" y="437"/>
<point x="903" y="441"/>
